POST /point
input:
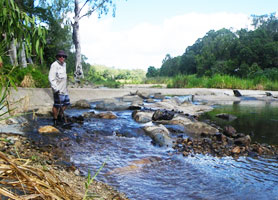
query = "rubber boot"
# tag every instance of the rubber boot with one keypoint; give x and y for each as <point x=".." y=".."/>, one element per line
<point x="55" y="122"/>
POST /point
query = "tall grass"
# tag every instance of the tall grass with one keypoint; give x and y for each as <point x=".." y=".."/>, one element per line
<point x="6" y="82"/>
<point x="221" y="81"/>
<point x="157" y="80"/>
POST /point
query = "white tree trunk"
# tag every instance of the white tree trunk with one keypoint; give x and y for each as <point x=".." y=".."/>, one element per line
<point x="30" y="61"/>
<point x="76" y="40"/>
<point x="12" y="53"/>
<point x="22" y="57"/>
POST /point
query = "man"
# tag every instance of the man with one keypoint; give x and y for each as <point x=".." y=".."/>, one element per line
<point x="58" y="81"/>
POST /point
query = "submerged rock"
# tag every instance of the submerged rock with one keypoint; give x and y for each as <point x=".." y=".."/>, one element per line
<point x="135" y="165"/>
<point x="106" y="115"/>
<point x="226" y="116"/>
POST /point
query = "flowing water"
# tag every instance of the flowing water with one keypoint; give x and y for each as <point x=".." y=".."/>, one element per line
<point x="141" y="170"/>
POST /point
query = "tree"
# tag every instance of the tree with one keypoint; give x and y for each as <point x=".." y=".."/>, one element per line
<point x="18" y="28"/>
<point x="170" y="66"/>
<point x="152" y="72"/>
<point x="102" y="6"/>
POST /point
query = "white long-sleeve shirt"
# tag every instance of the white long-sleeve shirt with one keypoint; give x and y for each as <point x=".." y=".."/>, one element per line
<point x="58" y="77"/>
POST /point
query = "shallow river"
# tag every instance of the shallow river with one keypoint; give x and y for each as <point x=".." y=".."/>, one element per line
<point x="141" y="170"/>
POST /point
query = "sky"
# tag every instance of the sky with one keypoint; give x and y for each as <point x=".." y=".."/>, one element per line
<point x="144" y="31"/>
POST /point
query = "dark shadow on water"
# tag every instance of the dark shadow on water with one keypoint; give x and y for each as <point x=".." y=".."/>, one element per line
<point x="259" y="120"/>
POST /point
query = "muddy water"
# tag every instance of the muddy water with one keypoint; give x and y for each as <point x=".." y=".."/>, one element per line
<point x="144" y="171"/>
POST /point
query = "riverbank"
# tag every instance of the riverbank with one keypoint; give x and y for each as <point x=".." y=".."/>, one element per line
<point x="24" y="157"/>
<point x="27" y="99"/>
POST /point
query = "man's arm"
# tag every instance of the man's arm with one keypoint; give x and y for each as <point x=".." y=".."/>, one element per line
<point x="52" y="77"/>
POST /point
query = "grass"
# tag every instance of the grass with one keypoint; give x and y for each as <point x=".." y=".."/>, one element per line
<point x="90" y="181"/>
<point x="222" y="82"/>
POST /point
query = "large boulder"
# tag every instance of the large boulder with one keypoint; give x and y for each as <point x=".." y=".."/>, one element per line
<point x="200" y="128"/>
<point x="143" y="94"/>
<point x="83" y="103"/>
<point x="142" y="117"/>
<point x="136" y="105"/>
<point x="177" y="120"/>
<point x="192" y="127"/>
<point x="159" y="134"/>
<point x="163" y="115"/>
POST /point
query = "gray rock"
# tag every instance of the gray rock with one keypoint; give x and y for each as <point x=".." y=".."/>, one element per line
<point x="158" y="96"/>
<point x="112" y="105"/>
<point x="246" y="140"/>
<point x="82" y="104"/>
<point x="159" y="134"/>
<point x="142" y="94"/>
<point x="131" y="98"/>
<point x="226" y="116"/>
<point x="149" y="100"/>
<point x="200" y="128"/>
<point x="15" y="129"/>
<point x="163" y="115"/>
<point x="142" y="117"/>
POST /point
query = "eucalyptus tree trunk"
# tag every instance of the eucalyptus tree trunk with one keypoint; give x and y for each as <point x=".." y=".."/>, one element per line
<point x="76" y="40"/>
<point x="12" y="53"/>
<point x="22" y="56"/>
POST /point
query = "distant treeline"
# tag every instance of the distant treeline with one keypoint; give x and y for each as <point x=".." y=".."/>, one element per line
<point x="244" y="53"/>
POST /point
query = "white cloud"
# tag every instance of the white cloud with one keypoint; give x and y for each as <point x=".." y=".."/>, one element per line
<point x="147" y="44"/>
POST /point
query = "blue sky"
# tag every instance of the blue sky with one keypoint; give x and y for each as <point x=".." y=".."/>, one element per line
<point x="144" y="31"/>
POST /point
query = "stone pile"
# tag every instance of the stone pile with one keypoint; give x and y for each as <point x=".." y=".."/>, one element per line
<point x="228" y="143"/>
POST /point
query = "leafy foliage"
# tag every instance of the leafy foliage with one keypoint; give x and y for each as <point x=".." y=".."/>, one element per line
<point x="16" y="24"/>
<point x="111" y="77"/>
<point x="244" y="53"/>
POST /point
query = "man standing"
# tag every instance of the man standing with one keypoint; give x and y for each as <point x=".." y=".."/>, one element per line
<point x="58" y="81"/>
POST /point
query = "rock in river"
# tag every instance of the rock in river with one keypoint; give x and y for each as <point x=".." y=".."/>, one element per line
<point x="112" y="105"/>
<point x="48" y="129"/>
<point x="159" y="134"/>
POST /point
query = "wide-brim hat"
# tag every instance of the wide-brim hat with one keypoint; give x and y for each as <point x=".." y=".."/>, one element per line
<point x="61" y="53"/>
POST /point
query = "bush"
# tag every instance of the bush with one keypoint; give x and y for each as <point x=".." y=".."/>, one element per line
<point x="18" y="74"/>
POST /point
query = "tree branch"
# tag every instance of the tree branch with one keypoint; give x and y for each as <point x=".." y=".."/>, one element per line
<point x="93" y="9"/>
<point x="82" y="7"/>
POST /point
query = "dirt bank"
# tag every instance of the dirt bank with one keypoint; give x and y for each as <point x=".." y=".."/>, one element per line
<point x="29" y="156"/>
